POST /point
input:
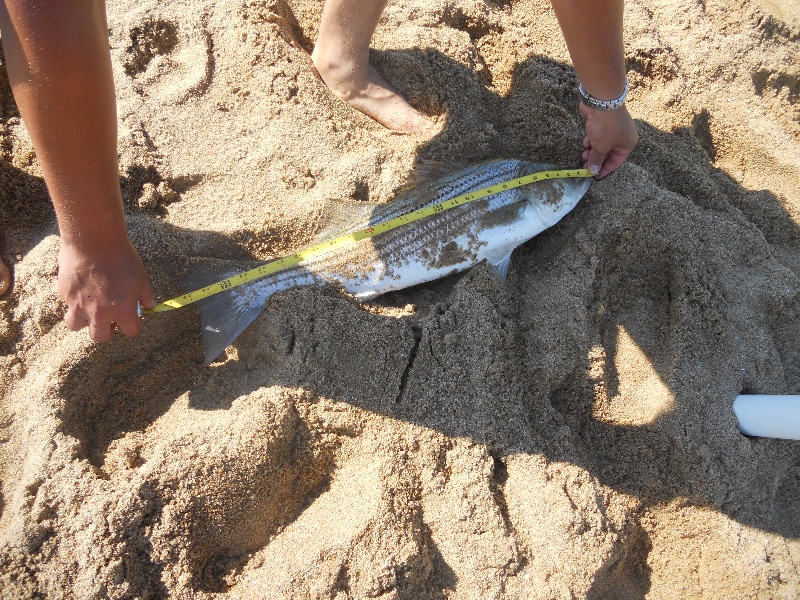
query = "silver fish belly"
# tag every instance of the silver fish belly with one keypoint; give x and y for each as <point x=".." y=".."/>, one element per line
<point x="453" y="240"/>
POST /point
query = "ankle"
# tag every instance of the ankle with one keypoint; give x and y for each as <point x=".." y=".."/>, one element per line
<point x="341" y="74"/>
<point x="333" y="60"/>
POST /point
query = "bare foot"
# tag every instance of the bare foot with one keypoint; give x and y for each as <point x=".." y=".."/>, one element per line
<point x="5" y="278"/>
<point x="368" y="92"/>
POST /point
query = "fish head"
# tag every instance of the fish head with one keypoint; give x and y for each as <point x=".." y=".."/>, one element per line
<point x="551" y="199"/>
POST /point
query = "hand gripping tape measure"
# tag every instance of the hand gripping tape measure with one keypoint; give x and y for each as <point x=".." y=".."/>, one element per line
<point x="294" y="259"/>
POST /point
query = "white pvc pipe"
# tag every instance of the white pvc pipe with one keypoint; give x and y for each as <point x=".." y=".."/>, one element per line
<point x="769" y="416"/>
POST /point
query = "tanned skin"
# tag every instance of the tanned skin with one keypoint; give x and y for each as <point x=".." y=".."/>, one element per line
<point x="59" y="66"/>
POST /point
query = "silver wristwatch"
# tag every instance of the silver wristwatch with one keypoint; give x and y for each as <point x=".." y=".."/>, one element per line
<point x="593" y="102"/>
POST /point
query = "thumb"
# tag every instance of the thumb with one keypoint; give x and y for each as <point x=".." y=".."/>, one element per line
<point x="146" y="295"/>
<point x="596" y="159"/>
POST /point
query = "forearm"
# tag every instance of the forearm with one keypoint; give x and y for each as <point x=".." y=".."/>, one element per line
<point x="59" y="67"/>
<point x="593" y="32"/>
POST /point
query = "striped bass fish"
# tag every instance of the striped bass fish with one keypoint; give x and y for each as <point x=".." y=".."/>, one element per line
<point x="488" y="229"/>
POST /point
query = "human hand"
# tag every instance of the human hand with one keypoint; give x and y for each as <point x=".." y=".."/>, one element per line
<point x="610" y="138"/>
<point x="101" y="288"/>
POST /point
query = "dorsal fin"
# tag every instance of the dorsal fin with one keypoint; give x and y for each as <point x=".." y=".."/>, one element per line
<point x="426" y="170"/>
<point x="342" y="217"/>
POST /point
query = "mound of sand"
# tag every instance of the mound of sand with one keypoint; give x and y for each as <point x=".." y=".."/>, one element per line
<point x="566" y="434"/>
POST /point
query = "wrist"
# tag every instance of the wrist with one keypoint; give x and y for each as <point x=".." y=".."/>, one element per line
<point x="95" y="240"/>
<point x="96" y="221"/>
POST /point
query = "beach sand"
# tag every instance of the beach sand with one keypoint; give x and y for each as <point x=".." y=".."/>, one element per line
<point x="565" y="434"/>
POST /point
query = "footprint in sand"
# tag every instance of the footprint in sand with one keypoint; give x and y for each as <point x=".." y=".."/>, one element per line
<point x="169" y="59"/>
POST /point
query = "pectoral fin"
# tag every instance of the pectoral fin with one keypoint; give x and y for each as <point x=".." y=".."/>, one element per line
<point x="500" y="268"/>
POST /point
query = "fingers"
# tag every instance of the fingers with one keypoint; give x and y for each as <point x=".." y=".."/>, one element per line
<point x="612" y="162"/>
<point x="104" y="323"/>
<point x="601" y="165"/>
<point x="130" y="324"/>
<point x="146" y="295"/>
<point x="596" y="161"/>
<point x="103" y="290"/>
<point x="101" y="331"/>
<point x="610" y="139"/>
<point x="75" y="319"/>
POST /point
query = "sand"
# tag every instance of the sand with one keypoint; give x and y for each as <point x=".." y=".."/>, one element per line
<point x="565" y="434"/>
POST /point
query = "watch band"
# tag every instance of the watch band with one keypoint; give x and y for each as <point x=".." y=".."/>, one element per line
<point x="593" y="102"/>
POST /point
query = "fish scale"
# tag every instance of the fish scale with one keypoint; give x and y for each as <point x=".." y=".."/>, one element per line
<point x="439" y="226"/>
<point x="487" y="229"/>
<point x="465" y="181"/>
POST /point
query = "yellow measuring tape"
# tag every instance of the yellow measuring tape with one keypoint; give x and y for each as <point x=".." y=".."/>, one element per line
<point x="351" y="238"/>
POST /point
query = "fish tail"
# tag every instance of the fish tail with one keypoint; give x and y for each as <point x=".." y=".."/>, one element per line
<point x="226" y="314"/>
